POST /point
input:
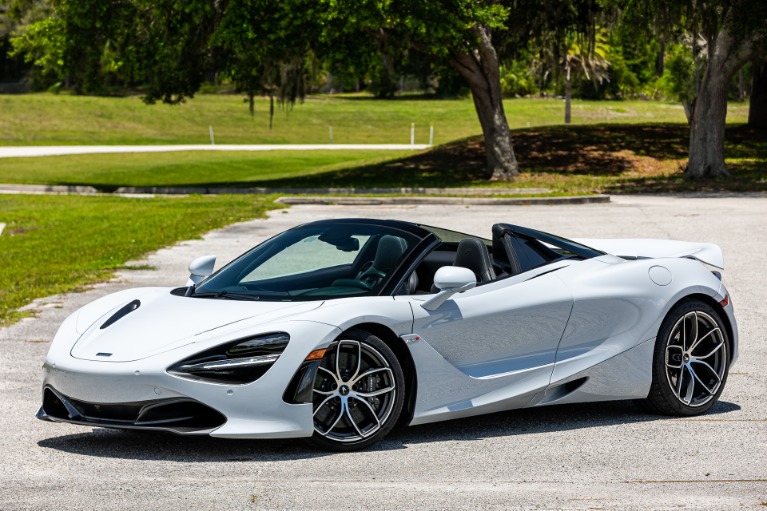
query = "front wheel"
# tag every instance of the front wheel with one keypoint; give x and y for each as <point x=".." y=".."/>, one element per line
<point x="358" y="393"/>
<point x="690" y="363"/>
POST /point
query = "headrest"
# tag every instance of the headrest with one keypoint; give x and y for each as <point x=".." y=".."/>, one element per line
<point x="390" y="249"/>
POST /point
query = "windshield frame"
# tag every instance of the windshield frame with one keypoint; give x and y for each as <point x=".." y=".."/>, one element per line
<point x="269" y="249"/>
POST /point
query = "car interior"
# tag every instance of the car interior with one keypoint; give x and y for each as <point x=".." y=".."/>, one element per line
<point x="506" y="255"/>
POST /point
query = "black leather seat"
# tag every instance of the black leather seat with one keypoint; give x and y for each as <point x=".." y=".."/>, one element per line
<point x="472" y="254"/>
<point x="388" y="253"/>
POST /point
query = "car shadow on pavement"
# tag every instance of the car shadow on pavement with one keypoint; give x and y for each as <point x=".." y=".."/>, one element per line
<point x="154" y="446"/>
<point x="543" y="420"/>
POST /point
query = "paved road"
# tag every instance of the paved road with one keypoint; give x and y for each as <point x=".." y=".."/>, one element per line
<point x="604" y="456"/>
<point x="28" y="151"/>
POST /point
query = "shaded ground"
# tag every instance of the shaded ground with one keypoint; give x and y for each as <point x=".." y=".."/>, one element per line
<point x="577" y="159"/>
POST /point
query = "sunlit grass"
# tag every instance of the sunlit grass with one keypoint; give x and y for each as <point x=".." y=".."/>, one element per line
<point x="56" y="244"/>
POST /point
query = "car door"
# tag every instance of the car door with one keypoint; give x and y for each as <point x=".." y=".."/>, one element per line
<point x="491" y="347"/>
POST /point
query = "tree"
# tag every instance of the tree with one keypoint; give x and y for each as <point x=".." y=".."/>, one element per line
<point x="264" y="47"/>
<point x="587" y="59"/>
<point x="722" y="35"/>
<point x="459" y="32"/>
<point x="757" y="110"/>
<point x="169" y="47"/>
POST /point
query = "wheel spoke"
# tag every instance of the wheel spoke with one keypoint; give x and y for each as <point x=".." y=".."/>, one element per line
<point x="690" y="387"/>
<point x="377" y="392"/>
<point x="691" y="337"/>
<point x="339" y="377"/>
<point x="716" y="348"/>
<point x="692" y="348"/>
<point x="373" y="413"/>
<point x="678" y="389"/>
<point x="359" y="362"/>
<point x="713" y="373"/>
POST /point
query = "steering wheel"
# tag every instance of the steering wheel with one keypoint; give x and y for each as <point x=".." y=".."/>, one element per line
<point x="371" y="276"/>
<point x="354" y="283"/>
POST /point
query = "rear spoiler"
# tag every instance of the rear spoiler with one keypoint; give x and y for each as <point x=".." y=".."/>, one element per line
<point x="707" y="253"/>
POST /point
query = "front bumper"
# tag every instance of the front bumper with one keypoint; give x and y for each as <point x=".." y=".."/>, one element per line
<point x="142" y="395"/>
<point x="178" y="415"/>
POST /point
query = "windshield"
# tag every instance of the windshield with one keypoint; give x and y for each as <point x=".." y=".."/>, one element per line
<point x="316" y="261"/>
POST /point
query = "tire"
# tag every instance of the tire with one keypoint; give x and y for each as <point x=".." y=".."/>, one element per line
<point x="690" y="363"/>
<point x="357" y="396"/>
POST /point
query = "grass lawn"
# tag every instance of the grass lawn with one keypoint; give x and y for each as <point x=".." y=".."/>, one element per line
<point x="109" y="171"/>
<point x="49" y="119"/>
<point x="55" y="244"/>
<point x="575" y="160"/>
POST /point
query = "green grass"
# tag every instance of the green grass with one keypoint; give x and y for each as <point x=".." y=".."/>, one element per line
<point x="576" y="160"/>
<point x="56" y="244"/>
<point x="109" y="171"/>
<point x="49" y="119"/>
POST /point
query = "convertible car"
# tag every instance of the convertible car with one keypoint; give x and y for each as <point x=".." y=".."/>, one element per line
<point x="338" y="330"/>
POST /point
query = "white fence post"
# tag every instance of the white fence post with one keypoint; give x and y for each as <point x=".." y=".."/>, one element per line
<point x="412" y="133"/>
<point x="431" y="134"/>
<point x="212" y="140"/>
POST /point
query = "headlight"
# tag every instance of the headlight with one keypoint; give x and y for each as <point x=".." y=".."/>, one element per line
<point x="242" y="361"/>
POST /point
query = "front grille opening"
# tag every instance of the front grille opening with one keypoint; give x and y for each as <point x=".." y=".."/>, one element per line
<point x="180" y="415"/>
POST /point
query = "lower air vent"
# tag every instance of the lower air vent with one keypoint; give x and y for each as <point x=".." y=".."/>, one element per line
<point x="181" y="415"/>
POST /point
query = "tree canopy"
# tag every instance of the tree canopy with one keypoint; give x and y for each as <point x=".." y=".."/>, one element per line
<point x="169" y="48"/>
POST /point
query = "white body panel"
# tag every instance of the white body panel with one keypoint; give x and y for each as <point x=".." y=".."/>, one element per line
<point x="653" y="249"/>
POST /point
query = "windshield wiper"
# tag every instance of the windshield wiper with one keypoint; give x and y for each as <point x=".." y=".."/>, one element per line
<point x="226" y="294"/>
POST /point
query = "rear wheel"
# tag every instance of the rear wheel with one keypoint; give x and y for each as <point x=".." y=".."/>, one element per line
<point x="690" y="363"/>
<point x="358" y="393"/>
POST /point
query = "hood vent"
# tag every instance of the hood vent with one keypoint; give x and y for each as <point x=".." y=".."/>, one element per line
<point x="135" y="304"/>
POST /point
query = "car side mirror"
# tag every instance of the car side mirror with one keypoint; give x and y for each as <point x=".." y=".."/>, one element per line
<point x="200" y="268"/>
<point x="450" y="280"/>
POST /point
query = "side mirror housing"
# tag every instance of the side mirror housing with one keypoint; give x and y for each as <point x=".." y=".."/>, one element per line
<point x="200" y="268"/>
<point x="450" y="280"/>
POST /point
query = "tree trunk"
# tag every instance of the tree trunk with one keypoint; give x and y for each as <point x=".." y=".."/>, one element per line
<point x="568" y="95"/>
<point x="271" y="108"/>
<point x="741" y="86"/>
<point x="480" y="69"/>
<point x="706" y="149"/>
<point x="660" y="62"/>
<point x="757" y="110"/>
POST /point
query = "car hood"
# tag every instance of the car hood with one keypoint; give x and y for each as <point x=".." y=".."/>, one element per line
<point x="163" y="321"/>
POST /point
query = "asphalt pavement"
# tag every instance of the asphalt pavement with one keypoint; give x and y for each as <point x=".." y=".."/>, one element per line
<point x="597" y="456"/>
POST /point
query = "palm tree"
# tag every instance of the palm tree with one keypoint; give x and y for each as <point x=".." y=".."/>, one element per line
<point x="589" y="59"/>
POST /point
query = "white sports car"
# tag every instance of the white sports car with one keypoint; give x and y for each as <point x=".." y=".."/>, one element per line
<point x="338" y="330"/>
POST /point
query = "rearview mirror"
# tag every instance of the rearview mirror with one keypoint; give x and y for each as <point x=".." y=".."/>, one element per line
<point x="450" y="280"/>
<point x="200" y="268"/>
